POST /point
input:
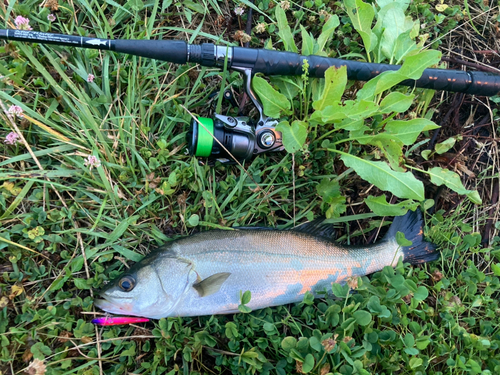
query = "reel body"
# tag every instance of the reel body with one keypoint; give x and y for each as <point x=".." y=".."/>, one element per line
<point x="226" y="138"/>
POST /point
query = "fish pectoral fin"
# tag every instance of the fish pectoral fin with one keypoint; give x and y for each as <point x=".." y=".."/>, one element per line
<point x="211" y="284"/>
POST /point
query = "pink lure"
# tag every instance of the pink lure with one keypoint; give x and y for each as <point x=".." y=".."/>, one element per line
<point x="118" y="320"/>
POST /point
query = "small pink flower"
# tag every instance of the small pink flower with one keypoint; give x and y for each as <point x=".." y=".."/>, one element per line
<point x="12" y="138"/>
<point x="22" y="23"/>
<point x="90" y="78"/>
<point x="51" y="17"/>
<point x="92" y="162"/>
<point x="16" y="110"/>
<point x="239" y="11"/>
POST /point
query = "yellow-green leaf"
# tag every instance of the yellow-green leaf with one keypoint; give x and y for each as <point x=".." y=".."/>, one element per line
<point x="274" y="103"/>
<point x="401" y="184"/>
<point x="294" y="135"/>
<point x="335" y="82"/>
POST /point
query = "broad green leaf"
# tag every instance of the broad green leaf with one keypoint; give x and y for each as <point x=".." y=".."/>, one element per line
<point x="328" y="190"/>
<point x="394" y="23"/>
<point x="315" y="343"/>
<point x="412" y="68"/>
<point x="138" y="5"/>
<point x="289" y="343"/>
<point x="475" y="368"/>
<point x="81" y="283"/>
<point x="316" y="88"/>
<point x="273" y="102"/>
<point x="396" y="102"/>
<point x="408" y="131"/>
<point x="381" y="207"/>
<point x="361" y="15"/>
<point x="194" y="6"/>
<point x="294" y="136"/>
<point x="404" y="46"/>
<point x="423" y="342"/>
<point x="194" y="220"/>
<point x="425" y="154"/>
<point x="401" y="184"/>
<point x="58" y="283"/>
<point x="442" y="147"/>
<point x="288" y="86"/>
<point x="401" y="239"/>
<point x="327" y="32"/>
<point x="40" y="351"/>
<point x="474" y="197"/>
<point x="338" y="111"/>
<point x="390" y="80"/>
<point x="334" y="112"/>
<point x="340" y="291"/>
<point x="375" y="307"/>
<point x="335" y="81"/>
<point x="337" y="207"/>
<point x="392" y="150"/>
<point x="421" y="294"/>
<point x="270" y="328"/>
<point x="363" y="109"/>
<point x="414" y="65"/>
<point x="450" y="179"/>
<point x="244" y="309"/>
<point x="403" y="4"/>
<point x="352" y="125"/>
<point x="409" y="340"/>
<point x="390" y="145"/>
<point x="245" y="297"/>
<point x="307" y="42"/>
<point x="285" y="32"/>
<point x="369" y="40"/>
<point x="496" y="269"/>
<point x="380" y="83"/>
<point x="363" y="318"/>
<point x="308" y="363"/>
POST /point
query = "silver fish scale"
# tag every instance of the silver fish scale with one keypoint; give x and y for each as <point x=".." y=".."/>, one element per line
<point x="278" y="267"/>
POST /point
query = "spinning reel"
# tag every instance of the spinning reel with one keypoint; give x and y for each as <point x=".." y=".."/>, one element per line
<point x="229" y="138"/>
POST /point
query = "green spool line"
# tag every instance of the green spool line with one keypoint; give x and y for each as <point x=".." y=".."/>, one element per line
<point x="205" y="138"/>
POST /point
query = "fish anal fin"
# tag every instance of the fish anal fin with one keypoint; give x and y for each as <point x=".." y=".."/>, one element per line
<point x="211" y="284"/>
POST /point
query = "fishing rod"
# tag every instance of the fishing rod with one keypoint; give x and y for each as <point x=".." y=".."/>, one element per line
<point x="240" y="136"/>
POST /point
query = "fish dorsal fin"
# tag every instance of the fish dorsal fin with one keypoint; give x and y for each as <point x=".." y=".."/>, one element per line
<point x="317" y="228"/>
<point x="313" y="228"/>
<point x="253" y="228"/>
<point x="211" y="284"/>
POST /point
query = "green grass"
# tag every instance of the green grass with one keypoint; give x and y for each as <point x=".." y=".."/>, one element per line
<point x="66" y="229"/>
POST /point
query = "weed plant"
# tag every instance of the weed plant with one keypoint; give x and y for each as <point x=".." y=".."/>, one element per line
<point x="95" y="174"/>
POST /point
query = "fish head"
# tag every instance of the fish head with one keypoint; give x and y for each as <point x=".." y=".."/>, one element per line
<point x="151" y="288"/>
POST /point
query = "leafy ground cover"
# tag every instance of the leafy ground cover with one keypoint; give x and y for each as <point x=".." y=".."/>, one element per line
<point x="94" y="175"/>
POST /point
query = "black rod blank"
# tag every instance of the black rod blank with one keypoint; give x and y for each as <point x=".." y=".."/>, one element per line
<point x="265" y="61"/>
<point x="288" y="63"/>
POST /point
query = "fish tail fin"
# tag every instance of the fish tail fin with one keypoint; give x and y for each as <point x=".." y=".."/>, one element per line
<point x="411" y="225"/>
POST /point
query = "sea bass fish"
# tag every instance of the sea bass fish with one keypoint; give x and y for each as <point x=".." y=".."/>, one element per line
<point x="204" y="274"/>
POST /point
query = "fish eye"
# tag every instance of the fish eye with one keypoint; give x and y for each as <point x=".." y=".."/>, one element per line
<point x="127" y="283"/>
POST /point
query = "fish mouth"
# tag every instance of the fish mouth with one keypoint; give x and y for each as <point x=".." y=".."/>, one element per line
<point x="110" y="307"/>
<point x="102" y="303"/>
